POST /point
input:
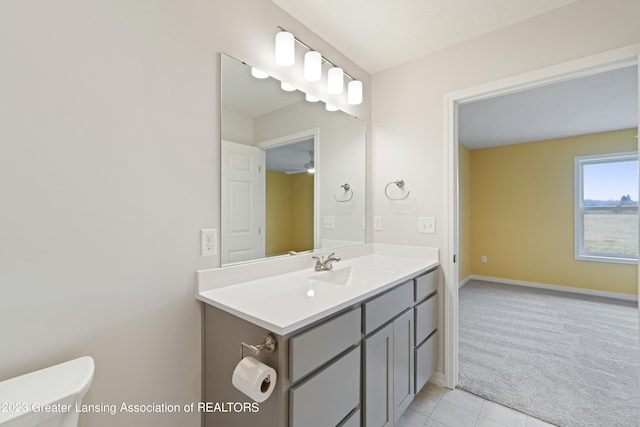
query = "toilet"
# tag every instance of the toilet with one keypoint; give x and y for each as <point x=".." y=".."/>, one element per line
<point x="48" y="397"/>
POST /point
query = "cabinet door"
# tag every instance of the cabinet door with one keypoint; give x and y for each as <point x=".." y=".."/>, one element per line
<point x="403" y="366"/>
<point x="378" y="378"/>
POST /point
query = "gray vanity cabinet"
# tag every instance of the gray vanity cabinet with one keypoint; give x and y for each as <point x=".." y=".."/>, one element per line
<point x="359" y="367"/>
<point x="400" y="348"/>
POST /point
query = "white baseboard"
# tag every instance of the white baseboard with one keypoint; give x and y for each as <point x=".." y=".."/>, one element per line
<point x="437" y="378"/>
<point x="465" y="281"/>
<point x="615" y="295"/>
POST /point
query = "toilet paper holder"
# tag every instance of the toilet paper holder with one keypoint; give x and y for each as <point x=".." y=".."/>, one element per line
<point x="269" y="344"/>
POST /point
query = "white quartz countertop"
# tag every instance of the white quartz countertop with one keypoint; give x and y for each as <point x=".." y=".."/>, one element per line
<point x="284" y="303"/>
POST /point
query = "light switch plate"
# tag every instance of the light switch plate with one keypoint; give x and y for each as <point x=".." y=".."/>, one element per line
<point x="377" y="223"/>
<point x="427" y="225"/>
<point x="329" y="222"/>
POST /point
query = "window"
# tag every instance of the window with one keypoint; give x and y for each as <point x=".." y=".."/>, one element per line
<point x="606" y="208"/>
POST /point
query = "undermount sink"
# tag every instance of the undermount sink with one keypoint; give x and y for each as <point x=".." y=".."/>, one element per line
<point x="350" y="275"/>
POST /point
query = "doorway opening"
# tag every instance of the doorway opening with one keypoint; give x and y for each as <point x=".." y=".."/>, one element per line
<point x="612" y="60"/>
<point x="290" y="189"/>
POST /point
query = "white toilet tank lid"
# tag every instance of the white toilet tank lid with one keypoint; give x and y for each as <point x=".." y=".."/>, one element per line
<point x="65" y="383"/>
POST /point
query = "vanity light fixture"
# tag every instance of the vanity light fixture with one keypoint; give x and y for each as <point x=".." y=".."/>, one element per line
<point x="287" y="87"/>
<point x="354" y="92"/>
<point x="335" y="81"/>
<point x="313" y="62"/>
<point x="285" y="50"/>
<point x="331" y="107"/>
<point x="312" y="66"/>
<point x="258" y="74"/>
<point x="311" y="98"/>
<point x="310" y="165"/>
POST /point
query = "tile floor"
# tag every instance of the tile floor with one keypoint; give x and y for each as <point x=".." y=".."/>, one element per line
<point x="437" y="406"/>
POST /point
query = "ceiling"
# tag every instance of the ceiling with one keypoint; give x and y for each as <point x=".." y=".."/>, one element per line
<point x="380" y="34"/>
<point x="291" y="158"/>
<point x="250" y="97"/>
<point x="597" y="103"/>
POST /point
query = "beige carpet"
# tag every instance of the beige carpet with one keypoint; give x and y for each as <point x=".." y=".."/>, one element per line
<point x="569" y="359"/>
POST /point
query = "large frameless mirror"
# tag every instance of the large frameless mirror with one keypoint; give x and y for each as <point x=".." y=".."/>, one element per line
<point x="292" y="173"/>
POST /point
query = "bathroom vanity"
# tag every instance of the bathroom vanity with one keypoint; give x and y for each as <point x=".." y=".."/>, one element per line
<point x="354" y="344"/>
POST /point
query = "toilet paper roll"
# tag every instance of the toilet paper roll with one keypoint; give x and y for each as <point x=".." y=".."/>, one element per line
<point x="254" y="378"/>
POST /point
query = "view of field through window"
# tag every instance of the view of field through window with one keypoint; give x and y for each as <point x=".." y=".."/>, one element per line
<point x="610" y="222"/>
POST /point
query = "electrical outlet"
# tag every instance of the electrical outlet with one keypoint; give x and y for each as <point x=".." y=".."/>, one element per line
<point x="208" y="242"/>
<point x="484" y="258"/>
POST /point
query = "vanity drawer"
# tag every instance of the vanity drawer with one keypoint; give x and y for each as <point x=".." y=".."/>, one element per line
<point x="313" y="348"/>
<point x="352" y="420"/>
<point x="426" y="359"/>
<point x="426" y="318"/>
<point x="329" y="396"/>
<point x="425" y="285"/>
<point x="380" y="310"/>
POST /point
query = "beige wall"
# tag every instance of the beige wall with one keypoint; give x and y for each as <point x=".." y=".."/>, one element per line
<point x="522" y="215"/>
<point x="407" y="116"/>
<point x="109" y="133"/>
<point x="340" y="158"/>
<point x="109" y="168"/>
<point x="408" y="138"/>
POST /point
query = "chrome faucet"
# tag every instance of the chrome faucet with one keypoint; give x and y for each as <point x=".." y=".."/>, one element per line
<point x="325" y="264"/>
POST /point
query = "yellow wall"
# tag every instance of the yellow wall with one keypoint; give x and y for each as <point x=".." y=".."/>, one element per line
<point x="289" y="212"/>
<point x="522" y="213"/>
<point x="278" y="200"/>
<point x="464" y="207"/>
<point x="302" y="211"/>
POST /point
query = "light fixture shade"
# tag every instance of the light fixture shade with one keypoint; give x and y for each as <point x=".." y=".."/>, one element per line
<point x="287" y="87"/>
<point x="285" y="51"/>
<point x="310" y="167"/>
<point x="354" y="92"/>
<point x="258" y="74"/>
<point x="336" y="81"/>
<point x="311" y="98"/>
<point x="331" y="107"/>
<point x="312" y="66"/>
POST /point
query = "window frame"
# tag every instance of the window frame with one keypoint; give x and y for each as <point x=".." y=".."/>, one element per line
<point x="578" y="207"/>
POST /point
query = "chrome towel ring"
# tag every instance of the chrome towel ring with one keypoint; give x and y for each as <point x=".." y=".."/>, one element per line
<point x="347" y="189"/>
<point x="400" y="184"/>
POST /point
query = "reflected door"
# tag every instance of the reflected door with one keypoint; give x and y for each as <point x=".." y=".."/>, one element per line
<point x="243" y="193"/>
